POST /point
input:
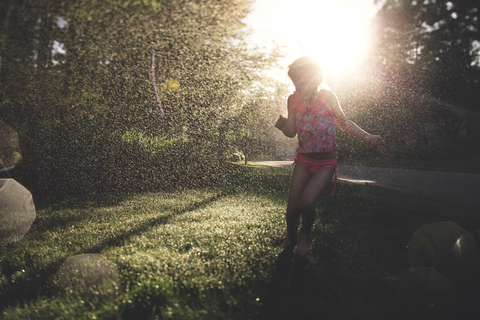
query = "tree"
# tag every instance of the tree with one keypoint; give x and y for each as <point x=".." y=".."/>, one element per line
<point x="433" y="43"/>
<point x="73" y="107"/>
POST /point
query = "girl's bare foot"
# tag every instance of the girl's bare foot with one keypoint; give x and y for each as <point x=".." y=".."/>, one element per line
<point x="303" y="246"/>
<point x="288" y="243"/>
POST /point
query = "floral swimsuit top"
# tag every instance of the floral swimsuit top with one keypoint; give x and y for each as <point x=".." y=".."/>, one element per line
<point x="315" y="127"/>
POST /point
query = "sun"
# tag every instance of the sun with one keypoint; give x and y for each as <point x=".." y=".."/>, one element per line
<point x="330" y="32"/>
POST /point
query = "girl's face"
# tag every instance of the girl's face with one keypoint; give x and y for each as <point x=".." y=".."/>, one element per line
<point x="303" y="79"/>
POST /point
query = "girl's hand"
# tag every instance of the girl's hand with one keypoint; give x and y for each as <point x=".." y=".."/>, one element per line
<point x="378" y="143"/>
<point x="281" y="122"/>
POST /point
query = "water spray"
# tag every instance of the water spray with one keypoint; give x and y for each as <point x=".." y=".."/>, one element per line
<point x="3" y="168"/>
<point x="152" y="69"/>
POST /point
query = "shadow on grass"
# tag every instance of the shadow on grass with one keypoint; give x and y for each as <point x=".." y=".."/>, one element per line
<point x="288" y="288"/>
<point x="359" y="248"/>
<point x="41" y="283"/>
<point x="151" y="223"/>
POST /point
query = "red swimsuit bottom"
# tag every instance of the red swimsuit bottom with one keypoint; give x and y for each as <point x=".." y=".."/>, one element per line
<point x="314" y="165"/>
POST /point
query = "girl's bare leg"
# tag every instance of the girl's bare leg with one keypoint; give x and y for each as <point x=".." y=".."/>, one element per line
<point x="300" y="178"/>
<point x="292" y="227"/>
<point x="311" y="192"/>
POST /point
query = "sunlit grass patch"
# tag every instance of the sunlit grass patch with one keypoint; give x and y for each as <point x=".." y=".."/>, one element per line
<point x="186" y="254"/>
<point x="207" y="254"/>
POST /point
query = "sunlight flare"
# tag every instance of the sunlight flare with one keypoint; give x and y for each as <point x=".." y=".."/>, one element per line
<point x="332" y="33"/>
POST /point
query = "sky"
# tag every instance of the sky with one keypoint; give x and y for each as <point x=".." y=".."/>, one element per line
<point x="334" y="31"/>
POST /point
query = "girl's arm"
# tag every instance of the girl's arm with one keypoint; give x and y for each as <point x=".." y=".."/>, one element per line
<point x="349" y="126"/>
<point x="287" y="125"/>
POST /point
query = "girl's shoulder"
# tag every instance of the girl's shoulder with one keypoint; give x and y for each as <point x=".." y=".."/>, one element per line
<point x="326" y="96"/>
<point x="326" y="93"/>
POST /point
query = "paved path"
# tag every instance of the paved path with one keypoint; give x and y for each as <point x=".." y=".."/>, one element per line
<point x="456" y="186"/>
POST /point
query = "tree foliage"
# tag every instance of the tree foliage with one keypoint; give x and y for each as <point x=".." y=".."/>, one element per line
<point x="75" y="78"/>
<point x="433" y="44"/>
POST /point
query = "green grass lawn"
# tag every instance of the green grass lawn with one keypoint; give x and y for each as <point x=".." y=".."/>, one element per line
<point x="214" y="254"/>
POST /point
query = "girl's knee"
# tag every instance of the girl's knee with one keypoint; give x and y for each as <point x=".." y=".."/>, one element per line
<point x="293" y="211"/>
<point x="307" y="205"/>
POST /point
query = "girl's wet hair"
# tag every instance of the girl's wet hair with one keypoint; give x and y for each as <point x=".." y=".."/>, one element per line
<point x="306" y="64"/>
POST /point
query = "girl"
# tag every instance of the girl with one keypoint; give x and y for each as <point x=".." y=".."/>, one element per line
<point x="312" y="115"/>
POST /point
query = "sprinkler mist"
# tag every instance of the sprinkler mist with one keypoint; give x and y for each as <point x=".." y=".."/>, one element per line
<point x="152" y="70"/>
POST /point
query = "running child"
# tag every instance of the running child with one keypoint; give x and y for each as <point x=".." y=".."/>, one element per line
<point x="312" y="115"/>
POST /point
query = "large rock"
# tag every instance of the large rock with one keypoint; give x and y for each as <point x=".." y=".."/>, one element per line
<point x="17" y="211"/>
<point x="86" y="271"/>
<point x="447" y="248"/>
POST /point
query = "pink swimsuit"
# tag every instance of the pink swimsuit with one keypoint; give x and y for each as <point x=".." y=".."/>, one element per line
<point x="315" y="127"/>
<point x="316" y="133"/>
